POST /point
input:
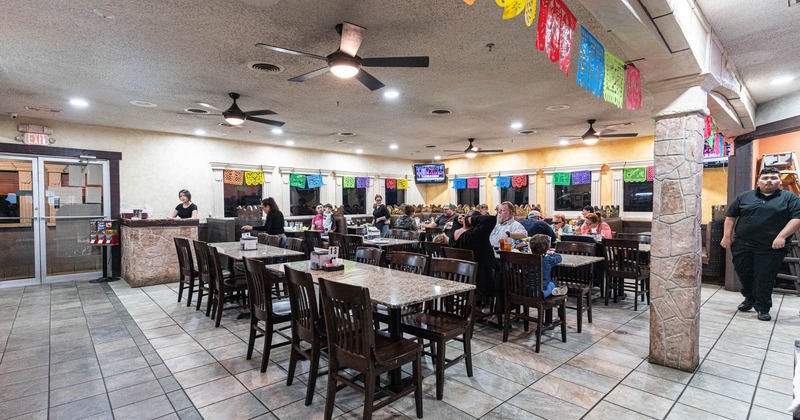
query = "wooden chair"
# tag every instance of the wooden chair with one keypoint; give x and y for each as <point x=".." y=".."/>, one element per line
<point x="353" y="344"/>
<point x="408" y="261"/>
<point x="295" y="244"/>
<point x="642" y="239"/>
<point x="447" y="318"/>
<point x="186" y="271"/>
<point x="458" y="253"/>
<point x="395" y="233"/>
<point x="351" y="243"/>
<point x="360" y="231"/>
<point x="262" y="238"/>
<point x="337" y="239"/>
<point x="275" y="240"/>
<point x="205" y="284"/>
<point x="432" y="249"/>
<point x="369" y="255"/>
<point x="306" y="326"/>
<point x="578" y="238"/>
<point x="313" y="240"/>
<point x="522" y="280"/>
<point x="577" y="279"/>
<point x="227" y="289"/>
<point x="624" y="271"/>
<point x="265" y="307"/>
<point x="431" y="233"/>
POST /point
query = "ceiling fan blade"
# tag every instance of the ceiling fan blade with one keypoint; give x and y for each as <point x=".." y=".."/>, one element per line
<point x="310" y="75"/>
<point x="489" y="150"/>
<point x="620" y="135"/>
<point x="288" y="51"/>
<point x="265" y="121"/>
<point x="453" y="151"/>
<point x="368" y="80"/>
<point x="201" y="115"/>
<point x="260" y="112"/>
<point x="420" y="61"/>
<point x="352" y="35"/>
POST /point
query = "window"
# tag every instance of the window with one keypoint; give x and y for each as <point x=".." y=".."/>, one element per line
<point x="638" y="196"/>
<point x="572" y="197"/>
<point x="469" y="196"/>
<point x="517" y="196"/>
<point x="303" y="201"/>
<point x="354" y="200"/>
<point x="395" y="197"/>
<point x="9" y="186"/>
<point x="240" y="197"/>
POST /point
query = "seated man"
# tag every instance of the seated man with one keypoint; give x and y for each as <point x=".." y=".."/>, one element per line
<point x="506" y="226"/>
<point x="534" y="225"/>
<point x="445" y="220"/>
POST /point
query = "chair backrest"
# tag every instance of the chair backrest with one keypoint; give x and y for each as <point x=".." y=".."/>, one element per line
<point x="522" y="275"/>
<point x="262" y="238"/>
<point x="303" y="299"/>
<point x="431" y="233"/>
<point x="432" y="249"/>
<point x="274" y="240"/>
<point x="360" y="231"/>
<point x="622" y="258"/>
<point x="642" y="239"/>
<point x="215" y="266"/>
<point x="260" y="286"/>
<point x="455" y="270"/>
<point x="411" y="235"/>
<point x="295" y="244"/>
<point x="313" y="240"/>
<point x="351" y="243"/>
<point x="396" y="233"/>
<point x="458" y="253"/>
<point x="204" y="270"/>
<point x="185" y="260"/>
<point x="576" y="248"/>
<point x="578" y="238"/>
<point x="369" y="255"/>
<point x="408" y="261"/>
<point x="337" y="239"/>
<point x="348" y="323"/>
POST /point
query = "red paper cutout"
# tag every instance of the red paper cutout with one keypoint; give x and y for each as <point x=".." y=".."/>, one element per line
<point x="519" y="181"/>
<point x="473" y="183"/>
<point x="554" y="32"/>
<point x="633" y="88"/>
<point x="391" y="183"/>
<point x="651" y="173"/>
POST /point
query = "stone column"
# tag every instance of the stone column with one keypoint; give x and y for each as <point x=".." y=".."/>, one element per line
<point x="675" y="264"/>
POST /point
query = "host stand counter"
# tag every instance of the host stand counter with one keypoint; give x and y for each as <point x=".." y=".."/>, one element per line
<point x="148" y="249"/>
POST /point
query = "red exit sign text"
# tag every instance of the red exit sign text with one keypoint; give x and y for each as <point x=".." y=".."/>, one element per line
<point x="36" y="139"/>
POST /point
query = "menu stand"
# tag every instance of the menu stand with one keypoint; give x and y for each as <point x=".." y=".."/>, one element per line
<point x="104" y="233"/>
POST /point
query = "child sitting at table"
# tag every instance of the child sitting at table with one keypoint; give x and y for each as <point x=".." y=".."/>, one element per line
<point x="540" y="245"/>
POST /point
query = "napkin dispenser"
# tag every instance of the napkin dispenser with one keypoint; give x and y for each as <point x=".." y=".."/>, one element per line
<point x="319" y="258"/>
<point x="248" y="243"/>
<point x="373" y="233"/>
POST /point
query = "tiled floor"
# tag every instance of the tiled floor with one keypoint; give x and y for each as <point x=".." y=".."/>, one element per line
<point x="80" y="350"/>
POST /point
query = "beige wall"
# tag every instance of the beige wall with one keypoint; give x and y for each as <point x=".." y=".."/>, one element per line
<point x="155" y="166"/>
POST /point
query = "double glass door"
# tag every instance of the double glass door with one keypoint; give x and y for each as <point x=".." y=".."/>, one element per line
<point x="46" y="205"/>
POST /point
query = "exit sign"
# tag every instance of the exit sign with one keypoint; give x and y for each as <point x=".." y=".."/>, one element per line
<point x="36" y="139"/>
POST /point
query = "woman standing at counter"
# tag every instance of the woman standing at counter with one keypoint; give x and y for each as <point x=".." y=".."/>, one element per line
<point x="186" y="209"/>
<point x="273" y="224"/>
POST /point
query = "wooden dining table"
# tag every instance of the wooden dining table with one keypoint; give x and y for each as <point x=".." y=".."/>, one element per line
<point x="388" y="242"/>
<point x="394" y="289"/>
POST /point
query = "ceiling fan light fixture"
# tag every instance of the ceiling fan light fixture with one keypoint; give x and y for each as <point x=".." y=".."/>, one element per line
<point x="343" y="69"/>
<point x="233" y="119"/>
<point x="470" y="154"/>
<point x="590" y="140"/>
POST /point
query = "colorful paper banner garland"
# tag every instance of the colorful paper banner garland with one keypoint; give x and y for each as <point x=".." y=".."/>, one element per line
<point x="562" y="178"/>
<point x="314" y="181"/>
<point x="362" y="182"/>
<point x="459" y="183"/>
<point x="232" y="177"/>
<point x="297" y="180"/>
<point x="614" y="80"/>
<point x="502" y="181"/>
<point x="402" y="184"/>
<point x="581" y="177"/>
<point x="348" y="182"/>
<point x="591" y="67"/>
<point x="473" y="183"/>
<point x="519" y="181"/>
<point x="554" y="32"/>
<point x="635" y="174"/>
<point x="391" y="183"/>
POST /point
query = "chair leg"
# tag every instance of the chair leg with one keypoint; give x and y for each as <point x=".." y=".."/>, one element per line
<point x="418" y="387"/>
<point x="331" y="394"/>
<point x="181" y="283"/>
<point x="589" y="306"/>
<point x="251" y="342"/>
<point x="199" y="294"/>
<point x="440" y="364"/>
<point x="579" y="308"/>
<point x="294" y="354"/>
<point x="539" y="316"/>
<point x="636" y="295"/>
<point x="506" y="322"/>
<point x="312" y="373"/>
<point x="369" y="394"/>
<point x="218" y="311"/>
<point x="267" y="347"/>
<point x="212" y="294"/>
<point x="191" y="292"/>
<point x="562" y="313"/>
<point x="468" y="350"/>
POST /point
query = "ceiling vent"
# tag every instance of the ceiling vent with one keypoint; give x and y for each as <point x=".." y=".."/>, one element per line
<point x="440" y="112"/>
<point x="526" y="132"/>
<point x="266" y="67"/>
<point x="346" y="134"/>
<point x="430" y="146"/>
<point x="42" y="109"/>
<point x="197" y="111"/>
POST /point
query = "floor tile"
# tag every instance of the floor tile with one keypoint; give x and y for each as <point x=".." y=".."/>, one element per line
<point x="144" y="410"/>
<point x="606" y="410"/>
<point x="639" y="401"/>
<point x="77" y="392"/>
<point x="134" y="394"/>
<point x="714" y="403"/>
<point x="214" y="391"/>
<point x="544" y="405"/>
<point x="81" y="408"/>
<point x="568" y="391"/>
<point x="243" y="406"/>
<point x="23" y="405"/>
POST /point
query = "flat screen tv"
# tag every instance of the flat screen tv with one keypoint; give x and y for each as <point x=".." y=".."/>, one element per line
<point x="429" y="173"/>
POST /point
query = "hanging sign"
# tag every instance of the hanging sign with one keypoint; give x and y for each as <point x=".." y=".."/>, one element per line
<point x="314" y="181"/>
<point x="473" y="183"/>
<point x="502" y="181"/>
<point x="362" y="182"/>
<point x="348" y="182"/>
<point x="562" y="178"/>
<point x="614" y="80"/>
<point x="591" y="64"/>
<point x="232" y="177"/>
<point x="459" y="183"/>
<point x="554" y="32"/>
<point x="581" y="177"/>
<point x="651" y="173"/>
<point x="519" y="181"/>
<point x="391" y="183"/>
<point x="402" y="184"/>
<point x="637" y="174"/>
<point x="297" y="180"/>
<point x="633" y="88"/>
<point x="254" y="177"/>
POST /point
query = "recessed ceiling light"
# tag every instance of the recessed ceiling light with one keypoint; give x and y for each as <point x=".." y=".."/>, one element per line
<point x="393" y="146"/>
<point x="290" y="142"/>
<point x="563" y="142"/>
<point x="359" y="151"/>
<point x="277" y="131"/>
<point x="516" y="125"/>
<point x="782" y="80"/>
<point x="437" y="157"/>
<point x="200" y="132"/>
<point x="391" y="94"/>
<point x="78" y="102"/>
<point x="557" y="107"/>
<point x="143" y="104"/>
<point x="104" y="13"/>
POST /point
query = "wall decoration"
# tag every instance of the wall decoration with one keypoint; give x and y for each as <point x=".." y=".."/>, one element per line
<point x="314" y="181"/>
<point x="614" y="80"/>
<point x="232" y="177"/>
<point x="511" y="8"/>
<point x="562" y="178"/>
<point x="402" y="184"/>
<point x="254" y="177"/>
<point x="297" y="180"/>
<point x="391" y="183"/>
<point x="519" y="181"/>
<point x="473" y="183"/>
<point x="707" y="127"/>
<point x="348" y="182"/>
<point x="459" y="183"/>
<point x="502" y="181"/>
<point x="633" y="88"/>
<point x="554" y="32"/>
<point x="362" y="182"/>
<point x="530" y="12"/>
<point x="591" y="64"/>
<point x="581" y="177"/>
<point x="651" y="173"/>
<point x="636" y="174"/>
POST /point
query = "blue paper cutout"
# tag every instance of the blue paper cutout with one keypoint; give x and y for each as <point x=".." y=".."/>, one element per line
<point x="591" y="64"/>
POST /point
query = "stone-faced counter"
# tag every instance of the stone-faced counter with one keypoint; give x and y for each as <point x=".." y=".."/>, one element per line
<point x="148" y="249"/>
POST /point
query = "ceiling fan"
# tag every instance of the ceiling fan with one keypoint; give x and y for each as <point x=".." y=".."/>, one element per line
<point x="592" y="137"/>
<point x="344" y="62"/>
<point x="471" y="151"/>
<point x="234" y="116"/>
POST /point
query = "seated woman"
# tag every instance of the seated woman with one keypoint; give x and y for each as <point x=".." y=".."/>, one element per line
<point x="406" y="221"/>
<point x="594" y="224"/>
<point x="540" y="245"/>
<point x="560" y="225"/>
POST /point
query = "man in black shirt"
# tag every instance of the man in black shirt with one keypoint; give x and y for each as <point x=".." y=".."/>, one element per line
<point x="764" y="218"/>
<point x="445" y="220"/>
<point x="534" y="225"/>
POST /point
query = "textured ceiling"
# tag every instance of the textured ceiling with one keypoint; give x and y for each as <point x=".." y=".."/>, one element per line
<point x="178" y="53"/>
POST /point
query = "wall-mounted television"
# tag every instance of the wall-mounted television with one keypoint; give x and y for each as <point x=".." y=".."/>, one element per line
<point x="429" y="173"/>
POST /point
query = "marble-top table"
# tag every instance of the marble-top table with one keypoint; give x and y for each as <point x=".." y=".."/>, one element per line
<point x="569" y="260"/>
<point x="644" y="248"/>
<point x="262" y="252"/>
<point x="388" y="242"/>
